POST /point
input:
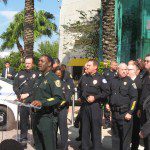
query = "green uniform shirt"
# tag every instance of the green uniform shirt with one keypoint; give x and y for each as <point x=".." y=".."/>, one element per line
<point x="48" y="90"/>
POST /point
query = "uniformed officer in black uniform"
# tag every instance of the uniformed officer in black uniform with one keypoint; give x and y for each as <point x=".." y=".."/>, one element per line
<point x="145" y="99"/>
<point x="67" y="77"/>
<point x="47" y="95"/>
<point x="63" y="109"/>
<point x="23" y="87"/>
<point x="133" y="73"/>
<point x="123" y="99"/>
<point x="109" y="74"/>
<point x="93" y="89"/>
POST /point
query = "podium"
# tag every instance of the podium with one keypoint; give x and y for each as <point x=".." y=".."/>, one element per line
<point x="13" y="136"/>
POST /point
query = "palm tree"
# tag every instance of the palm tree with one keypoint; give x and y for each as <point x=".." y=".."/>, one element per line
<point x="15" y="31"/>
<point x="108" y="27"/>
<point x="29" y="28"/>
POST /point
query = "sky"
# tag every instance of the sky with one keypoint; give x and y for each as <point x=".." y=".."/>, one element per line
<point x="8" y="11"/>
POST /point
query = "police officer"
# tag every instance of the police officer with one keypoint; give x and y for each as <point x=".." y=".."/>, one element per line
<point x="123" y="99"/>
<point x="23" y="87"/>
<point x="63" y="109"/>
<point x="67" y="77"/>
<point x="93" y="89"/>
<point x="109" y="74"/>
<point x="133" y="73"/>
<point x="145" y="99"/>
<point x="48" y="94"/>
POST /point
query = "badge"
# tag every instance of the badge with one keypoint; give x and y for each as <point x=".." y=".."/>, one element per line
<point x="134" y="85"/>
<point x="45" y="82"/>
<point x="22" y="76"/>
<point x="33" y="76"/>
<point x="124" y="83"/>
<point x="68" y="87"/>
<point x="57" y="83"/>
<point x="94" y="82"/>
<point x="104" y="81"/>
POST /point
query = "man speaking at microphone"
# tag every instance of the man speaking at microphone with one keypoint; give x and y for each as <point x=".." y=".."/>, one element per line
<point x="23" y="87"/>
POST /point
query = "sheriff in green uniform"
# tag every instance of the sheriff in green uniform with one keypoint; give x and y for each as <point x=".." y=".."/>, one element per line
<point x="48" y="94"/>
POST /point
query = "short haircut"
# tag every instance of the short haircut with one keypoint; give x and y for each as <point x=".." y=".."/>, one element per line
<point x="95" y="62"/>
<point x="113" y="62"/>
<point x="148" y="55"/>
<point x="122" y="64"/>
<point x="29" y="57"/>
<point x="49" y="58"/>
<point x="57" y="68"/>
<point x="7" y="62"/>
<point x="63" y="65"/>
<point x="56" y="61"/>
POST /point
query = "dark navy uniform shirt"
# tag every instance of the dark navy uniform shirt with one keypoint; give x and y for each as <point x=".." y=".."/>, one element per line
<point x="24" y="82"/>
<point x="123" y="93"/>
<point x="93" y="85"/>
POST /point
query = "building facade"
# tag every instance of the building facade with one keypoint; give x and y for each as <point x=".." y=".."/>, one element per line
<point x="132" y="29"/>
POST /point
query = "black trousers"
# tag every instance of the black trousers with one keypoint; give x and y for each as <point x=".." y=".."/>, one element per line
<point x="78" y="120"/>
<point x="24" y="121"/>
<point x="121" y="131"/>
<point x="62" y="124"/>
<point x="135" y="132"/>
<point x="91" y="126"/>
<point x="107" y="117"/>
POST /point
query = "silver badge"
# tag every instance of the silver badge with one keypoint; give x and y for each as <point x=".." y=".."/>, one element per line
<point x="125" y="83"/>
<point x="104" y="81"/>
<point x="94" y="82"/>
<point x="33" y="76"/>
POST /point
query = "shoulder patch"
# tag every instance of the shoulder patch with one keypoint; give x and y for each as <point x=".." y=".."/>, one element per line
<point x="21" y="76"/>
<point x="70" y="76"/>
<point x="104" y="80"/>
<point x="68" y="87"/>
<point x="57" y="83"/>
<point x="134" y="85"/>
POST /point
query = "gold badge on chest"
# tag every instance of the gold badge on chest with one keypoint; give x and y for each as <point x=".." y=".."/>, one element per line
<point x="45" y="81"/>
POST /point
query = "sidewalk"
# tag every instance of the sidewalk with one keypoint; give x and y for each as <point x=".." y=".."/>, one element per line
<point x="73" y="133"/>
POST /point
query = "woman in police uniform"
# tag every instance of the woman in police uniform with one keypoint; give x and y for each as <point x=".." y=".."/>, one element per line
<point x="63" y="108"/>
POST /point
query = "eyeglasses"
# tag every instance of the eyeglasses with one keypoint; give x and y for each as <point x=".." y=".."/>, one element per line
<point x="147" y="61"/>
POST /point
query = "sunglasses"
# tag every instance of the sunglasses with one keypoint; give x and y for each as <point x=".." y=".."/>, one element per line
<point x="147" y="61"/>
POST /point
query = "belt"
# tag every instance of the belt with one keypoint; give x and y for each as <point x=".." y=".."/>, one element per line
<point x="44" y="110"/>
<point x="121" y="109"/>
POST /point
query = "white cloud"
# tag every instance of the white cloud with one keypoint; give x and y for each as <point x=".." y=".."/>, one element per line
<point x="8" y="14"/>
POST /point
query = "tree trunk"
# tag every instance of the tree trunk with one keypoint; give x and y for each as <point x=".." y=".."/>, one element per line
<point x="29" y="28"/>
<point x="21" y="50"/>
<point x="108" y="24"/>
